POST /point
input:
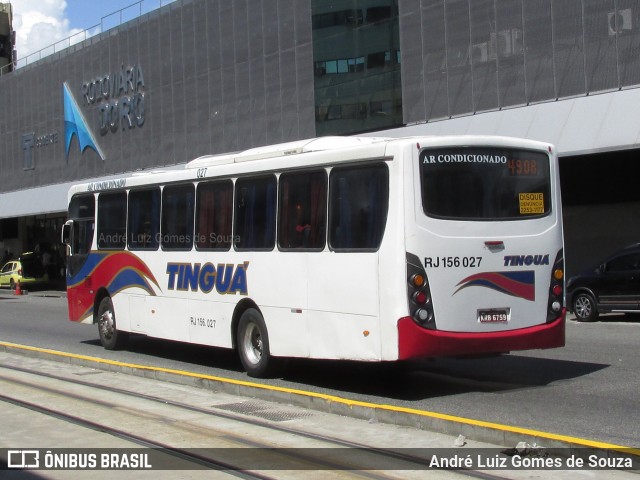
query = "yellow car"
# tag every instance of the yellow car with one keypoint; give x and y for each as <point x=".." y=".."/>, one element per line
<point x="28" y="270"/>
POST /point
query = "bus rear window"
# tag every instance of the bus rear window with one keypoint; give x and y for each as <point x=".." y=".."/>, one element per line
<point x="475" y="183"/>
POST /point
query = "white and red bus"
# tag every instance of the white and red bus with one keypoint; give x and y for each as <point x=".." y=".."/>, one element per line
<point x="370" y="249"/>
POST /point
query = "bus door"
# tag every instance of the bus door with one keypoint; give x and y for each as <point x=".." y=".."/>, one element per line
<point x="77" y="234"/>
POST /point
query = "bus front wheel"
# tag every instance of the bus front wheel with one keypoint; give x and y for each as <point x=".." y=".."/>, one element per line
<point x="253" y="345"/>
<point x="110" y="337"/>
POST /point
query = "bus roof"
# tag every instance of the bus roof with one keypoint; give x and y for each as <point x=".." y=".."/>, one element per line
<point x="283" y="149"/>
<point x="350" y="148"/>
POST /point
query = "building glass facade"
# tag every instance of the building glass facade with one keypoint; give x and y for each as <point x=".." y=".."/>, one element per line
<point x="356" y="64"/>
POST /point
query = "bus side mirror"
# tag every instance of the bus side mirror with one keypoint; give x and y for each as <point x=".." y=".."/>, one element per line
<point x="66" y="232"/>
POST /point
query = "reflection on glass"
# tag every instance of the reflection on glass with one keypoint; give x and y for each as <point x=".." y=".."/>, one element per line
<point x="356" y="54"/>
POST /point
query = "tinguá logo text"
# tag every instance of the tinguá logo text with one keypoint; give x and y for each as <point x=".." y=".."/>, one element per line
<point x="225" y="278"/>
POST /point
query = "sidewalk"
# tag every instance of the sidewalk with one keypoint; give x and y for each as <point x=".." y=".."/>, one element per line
<point x="54" y="290"/>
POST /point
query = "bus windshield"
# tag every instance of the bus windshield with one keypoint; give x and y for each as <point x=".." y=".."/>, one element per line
<point x="484" y="183"/>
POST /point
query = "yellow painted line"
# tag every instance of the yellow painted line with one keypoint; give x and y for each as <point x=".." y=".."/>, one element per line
<point x="345" y="401"/>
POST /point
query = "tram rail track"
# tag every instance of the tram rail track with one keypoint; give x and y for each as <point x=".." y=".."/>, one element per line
<point x="289" y="448"/>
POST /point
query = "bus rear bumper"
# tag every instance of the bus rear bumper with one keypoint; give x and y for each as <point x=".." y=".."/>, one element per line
<point x="417" y="342"/>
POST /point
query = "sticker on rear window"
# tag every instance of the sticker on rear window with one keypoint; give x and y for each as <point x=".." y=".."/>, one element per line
<point x="531" y="203"/>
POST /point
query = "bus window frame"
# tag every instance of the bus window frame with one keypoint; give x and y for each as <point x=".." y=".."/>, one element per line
<point x="196" y="229"/>
<point x="98" y="216"/>
<point x="325" y="207"/>
<point x="376" y="164"/>
<point x="164" y="244"/>
<point x="237" y="237"/>
<point x="156" y="240"/>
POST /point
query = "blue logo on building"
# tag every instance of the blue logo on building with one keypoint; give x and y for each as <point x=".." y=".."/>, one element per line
<point x="75" y="124"/>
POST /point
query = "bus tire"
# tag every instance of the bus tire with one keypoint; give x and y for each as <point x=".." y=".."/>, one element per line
<point x="110" y="337"/>
<point x="253" y="345"/>
<point x="584" y="307"/>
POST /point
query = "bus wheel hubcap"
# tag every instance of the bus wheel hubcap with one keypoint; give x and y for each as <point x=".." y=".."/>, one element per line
<point x="106" y="324"/>
<point x="253" y="343"/>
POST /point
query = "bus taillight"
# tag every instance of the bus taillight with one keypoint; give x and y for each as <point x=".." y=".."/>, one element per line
<point x="423" y="316"/>
<point x="556" y="288"/>
<point x="420" y="298"/>
<point x="420" y="304"/>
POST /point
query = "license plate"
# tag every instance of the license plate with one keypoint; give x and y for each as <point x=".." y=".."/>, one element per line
<point x="495" y="315"/>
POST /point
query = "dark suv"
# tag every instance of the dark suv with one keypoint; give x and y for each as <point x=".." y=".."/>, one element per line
<point x="612" y="286"/>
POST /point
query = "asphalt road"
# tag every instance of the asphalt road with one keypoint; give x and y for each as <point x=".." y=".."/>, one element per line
<point x="588" y="389"/>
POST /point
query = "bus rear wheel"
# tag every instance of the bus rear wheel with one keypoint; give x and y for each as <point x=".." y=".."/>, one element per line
<point x="253" y="345"/>
<point x="110" y="337"/>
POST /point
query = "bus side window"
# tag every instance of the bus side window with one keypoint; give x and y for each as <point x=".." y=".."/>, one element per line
<point x="214" y="211"/>
<point x="302" y="210"/>
<point x="144" y="219"/>
<point x="255" y="213"/>
<point x="177" y="217"/>
<point x="112" y="220"/>
<point x="358" y="204"/>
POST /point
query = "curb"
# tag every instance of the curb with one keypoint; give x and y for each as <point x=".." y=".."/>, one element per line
<point x="478" y="430"/>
